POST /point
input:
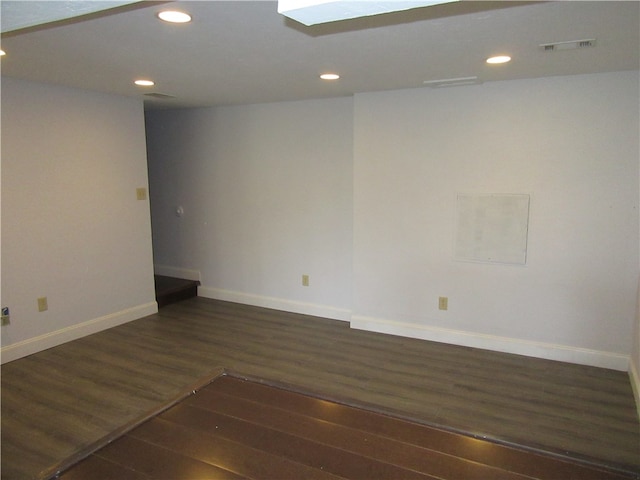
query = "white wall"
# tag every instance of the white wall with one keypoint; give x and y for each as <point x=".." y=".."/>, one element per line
<point x="569" y="142"/>
<point x="271" y="192"/>
<point x="634" y="362"/>
<point x="72" y="228"/>
<point x="357" y="193"/>
<point x="267" y="197"/>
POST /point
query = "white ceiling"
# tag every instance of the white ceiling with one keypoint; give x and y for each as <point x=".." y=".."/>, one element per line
<point x="236" y="52"/>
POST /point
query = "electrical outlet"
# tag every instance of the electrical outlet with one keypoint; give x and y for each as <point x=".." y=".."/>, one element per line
<point x="443" y="303"/>
<point x="43" y="305"/>
<point x="5" y="319"/>
<point x="305" y="280"/>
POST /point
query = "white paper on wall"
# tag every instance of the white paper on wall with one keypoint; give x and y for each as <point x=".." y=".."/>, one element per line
<point x="492" y="228"/>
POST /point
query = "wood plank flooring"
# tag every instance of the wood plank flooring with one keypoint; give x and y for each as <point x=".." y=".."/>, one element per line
<point x="60" y="401"/>
<point x="236" y="428"/>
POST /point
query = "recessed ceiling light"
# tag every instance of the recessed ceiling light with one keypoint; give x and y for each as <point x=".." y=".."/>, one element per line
<point x="498" y="59"/>
<point x="330" y="76"/>
<point x="144" y="83"/>
<point x="174" y="16"/>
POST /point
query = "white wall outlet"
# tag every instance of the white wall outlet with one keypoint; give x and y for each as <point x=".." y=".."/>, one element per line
<point x="305" y="280"/>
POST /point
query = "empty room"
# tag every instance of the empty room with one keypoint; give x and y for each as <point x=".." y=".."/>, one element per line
<point x="320" y="239"/>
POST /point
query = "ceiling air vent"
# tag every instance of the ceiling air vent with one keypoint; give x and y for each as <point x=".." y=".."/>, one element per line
<point x="452" y="82"/>
<point x="161" y="96"/>
<point x="570" y="45"/>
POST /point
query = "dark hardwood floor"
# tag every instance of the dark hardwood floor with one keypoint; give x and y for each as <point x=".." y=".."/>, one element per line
<point x="237" y="428"/>
<point x="60" y="401"/>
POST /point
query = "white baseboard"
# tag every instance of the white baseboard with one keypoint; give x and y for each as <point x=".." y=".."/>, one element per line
<point x="304" y="308"/>
<point x="634" y="377"/>
<point x="516" y="346"/>
<point x="176" y="272"/>
<point x="58" y="337"/>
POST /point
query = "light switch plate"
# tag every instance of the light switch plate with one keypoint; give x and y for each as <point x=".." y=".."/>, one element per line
<point x="43" y="305"/>
<point x="141" y="193"/>
<point x="443" y="303"/>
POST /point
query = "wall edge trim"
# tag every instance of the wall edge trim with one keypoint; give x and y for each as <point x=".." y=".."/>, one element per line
<point x="548" y="351"/>
<point x="294" y="306"/>
<point x="634" y="378"/>
<point x="74" y="332"/>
